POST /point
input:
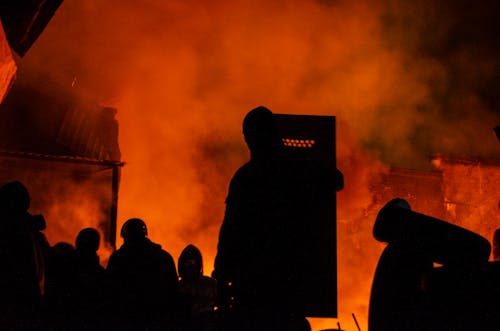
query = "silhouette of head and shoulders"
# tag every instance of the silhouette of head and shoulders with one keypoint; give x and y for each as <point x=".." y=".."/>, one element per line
<point x="190" y="266"/>
<point x="14" y="204"/>
<point x="195" y="288"/>
<point x="87" y="244"/>
<point x="137" y="248"/>
<point x="261" y="133"/>
<point x="143" y="275"/>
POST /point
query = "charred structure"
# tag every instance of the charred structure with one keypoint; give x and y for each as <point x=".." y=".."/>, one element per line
<point x="66" y="151"/>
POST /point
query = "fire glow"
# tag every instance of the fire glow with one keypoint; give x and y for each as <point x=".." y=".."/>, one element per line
<point x="182" y="75"/>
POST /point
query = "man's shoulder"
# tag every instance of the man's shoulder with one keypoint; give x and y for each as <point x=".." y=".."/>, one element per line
<point x="244" y="169"/>
<point x="243" y="173"/>
<point x="160" y="251"/>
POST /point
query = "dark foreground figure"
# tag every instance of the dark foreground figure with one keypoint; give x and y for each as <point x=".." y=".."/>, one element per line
<point x="92" y="293"/>
<point x="197" y="293"/>
<point x="269" y="203"/>
<point x="410" y="294"/>
<point x="22" y="250"/>
<point x="144" y="280"/>
<point x="77" y="295"/>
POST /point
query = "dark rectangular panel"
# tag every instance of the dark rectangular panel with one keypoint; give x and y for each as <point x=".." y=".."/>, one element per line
<point x="312" y="138"/>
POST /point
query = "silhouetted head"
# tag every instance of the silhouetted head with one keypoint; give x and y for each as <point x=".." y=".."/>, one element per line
<point x="496" y="245"/>
<point x="134" y="229"/>
<point x="88" y="239"/>
<point x="61" y="252"/>
<point x="190" y="263"/>
<point x="260" y="130"/>
<point x="15" y="197"/>
<point x="398" y="202"/>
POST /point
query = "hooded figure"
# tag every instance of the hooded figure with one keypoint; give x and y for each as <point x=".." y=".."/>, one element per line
<point x="197" y="292"/>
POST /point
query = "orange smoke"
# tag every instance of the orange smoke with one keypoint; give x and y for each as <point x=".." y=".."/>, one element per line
<point x="183" y="74"/>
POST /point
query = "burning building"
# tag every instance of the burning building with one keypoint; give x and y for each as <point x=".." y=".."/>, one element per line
<point x="70" y="163"/>
<point x="463" y="191"/>
<point x="64" y="148"/>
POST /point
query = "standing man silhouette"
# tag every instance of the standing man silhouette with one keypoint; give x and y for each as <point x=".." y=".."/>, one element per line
<point x="269" y="201"/>
<point x="144" y="278"/>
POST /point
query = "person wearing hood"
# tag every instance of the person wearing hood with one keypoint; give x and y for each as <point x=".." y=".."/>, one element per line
<point x="197" y="292"/>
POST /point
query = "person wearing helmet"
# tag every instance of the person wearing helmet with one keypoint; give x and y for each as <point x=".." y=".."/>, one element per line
<point x="144" y="279"/>
<point x="197" y="292"/>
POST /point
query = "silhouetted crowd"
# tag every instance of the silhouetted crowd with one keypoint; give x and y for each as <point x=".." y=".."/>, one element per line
<point x="261" y="272"/>
<point x="64" y="286"/>
<point x="262" y="266"/>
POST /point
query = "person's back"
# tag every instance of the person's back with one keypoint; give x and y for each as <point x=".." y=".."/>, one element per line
<point x="92" y="295"/>
<point x="59" y="299"/>
<point x="143" y="276"/>
<point x="20" y="277"/>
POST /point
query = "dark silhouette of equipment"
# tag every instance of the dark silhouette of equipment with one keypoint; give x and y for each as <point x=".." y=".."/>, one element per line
<point x="410" y="293"/>
<point x="445" y="243"/>
<point x="312" y="138"/>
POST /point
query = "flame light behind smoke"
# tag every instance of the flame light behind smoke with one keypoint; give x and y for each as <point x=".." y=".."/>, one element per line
<point x="183" y="74"/>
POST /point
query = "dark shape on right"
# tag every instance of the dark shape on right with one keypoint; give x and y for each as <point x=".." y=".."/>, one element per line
<point x="409" y="293"/>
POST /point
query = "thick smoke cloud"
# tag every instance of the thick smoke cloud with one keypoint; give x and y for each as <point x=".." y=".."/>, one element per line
<point x="405" y="80"/>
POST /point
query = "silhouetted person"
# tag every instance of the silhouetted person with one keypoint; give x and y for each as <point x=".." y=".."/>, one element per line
<point x="268" y="206"/>
<point x="144" y="278"/>
<point x="92" y="295"/>
<point x="197" y="292"/>
<point x="59" y="296"/>
<point x="21" y="258"/>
